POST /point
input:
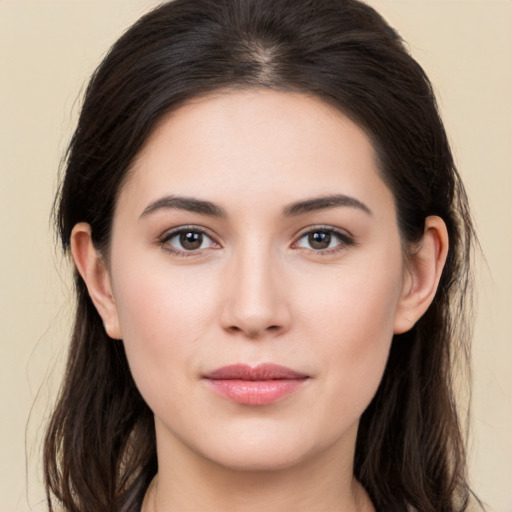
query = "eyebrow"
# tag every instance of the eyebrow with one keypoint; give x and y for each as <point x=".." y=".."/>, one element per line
<point x="324" y="203"/>
<point x="210" y="209"/>
<point x="189" y="204"/>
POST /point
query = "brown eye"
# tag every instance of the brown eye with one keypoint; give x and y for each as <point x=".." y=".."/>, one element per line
<point x="319" y="240"/>
<point x="191" y="240"/>
<point x="324" y="240"/>
<point x="187" y="240"/>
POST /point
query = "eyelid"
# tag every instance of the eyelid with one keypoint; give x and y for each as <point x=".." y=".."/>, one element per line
<point x="167" y="235"/>
<point x="346" y="239"/>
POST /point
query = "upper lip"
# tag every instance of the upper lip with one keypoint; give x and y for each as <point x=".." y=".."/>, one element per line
<point x="266" y="371"/>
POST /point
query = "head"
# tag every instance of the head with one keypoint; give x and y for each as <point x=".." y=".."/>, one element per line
<point x="336" y="55"/>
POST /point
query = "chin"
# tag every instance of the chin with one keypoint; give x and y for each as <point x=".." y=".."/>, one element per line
<point x="259" y="458"/>
<point x="261" y="449"/>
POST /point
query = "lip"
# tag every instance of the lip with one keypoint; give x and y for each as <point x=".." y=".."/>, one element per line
<point x="260" y="385"/>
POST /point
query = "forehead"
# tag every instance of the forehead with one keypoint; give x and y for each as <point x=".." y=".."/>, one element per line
<point x="245" y="144"/>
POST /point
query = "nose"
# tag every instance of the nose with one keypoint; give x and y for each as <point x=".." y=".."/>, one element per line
<point x="255" y="302"/>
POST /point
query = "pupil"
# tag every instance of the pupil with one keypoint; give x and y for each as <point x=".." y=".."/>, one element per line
<point x="191" y="240"/>
<point x="320" y="240"/>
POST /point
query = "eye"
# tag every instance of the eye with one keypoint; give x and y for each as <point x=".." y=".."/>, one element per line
<point x="324" y="240"/>
<point x="187" y="240"/>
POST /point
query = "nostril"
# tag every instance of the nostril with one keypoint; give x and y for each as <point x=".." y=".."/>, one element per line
<point x="253" y="332"/>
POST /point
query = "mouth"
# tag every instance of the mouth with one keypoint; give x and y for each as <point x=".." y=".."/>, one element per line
<point x="260" y="385"/>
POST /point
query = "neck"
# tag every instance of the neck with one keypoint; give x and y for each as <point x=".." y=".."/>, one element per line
<point x="187" y="482"/>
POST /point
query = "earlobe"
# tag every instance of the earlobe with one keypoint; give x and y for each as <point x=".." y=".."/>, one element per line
<point x="424" y="269"/>
<point x="93" y="269"/>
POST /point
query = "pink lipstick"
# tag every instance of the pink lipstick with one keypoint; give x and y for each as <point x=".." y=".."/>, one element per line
<point x="261" y="385"/>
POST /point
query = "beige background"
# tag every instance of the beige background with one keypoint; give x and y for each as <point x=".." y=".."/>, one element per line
<point x="48" y="49"/>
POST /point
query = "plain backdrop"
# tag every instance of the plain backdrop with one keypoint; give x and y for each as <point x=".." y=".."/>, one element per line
<point x="48" y="48"/>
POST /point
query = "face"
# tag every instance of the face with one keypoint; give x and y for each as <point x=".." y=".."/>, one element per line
<point x="257" y="273"/>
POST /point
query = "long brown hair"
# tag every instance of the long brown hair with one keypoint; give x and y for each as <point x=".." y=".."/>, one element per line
<point x="100" y="445"/>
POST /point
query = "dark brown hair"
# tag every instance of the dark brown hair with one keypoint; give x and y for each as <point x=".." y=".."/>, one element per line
<point x="100" y="445"/>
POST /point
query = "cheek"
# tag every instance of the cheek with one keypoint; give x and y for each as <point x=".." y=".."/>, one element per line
<point x="355" y="306"/>
<point x="162" y="316"/>
<point x="351" y="329"/>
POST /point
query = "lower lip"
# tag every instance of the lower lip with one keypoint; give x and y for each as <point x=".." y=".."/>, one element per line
<point x="255" y="392"/>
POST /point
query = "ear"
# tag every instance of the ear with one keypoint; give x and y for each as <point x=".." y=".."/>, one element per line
<point x="422" y="274"/>
<point x="94" y="271"/>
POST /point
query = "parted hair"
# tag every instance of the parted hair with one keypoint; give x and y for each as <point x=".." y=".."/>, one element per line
<point x="99" y="452"/>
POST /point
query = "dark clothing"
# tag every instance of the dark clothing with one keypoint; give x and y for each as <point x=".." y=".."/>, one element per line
<point x="394" y="507"/>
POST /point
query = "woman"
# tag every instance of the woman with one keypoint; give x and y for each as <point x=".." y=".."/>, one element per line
<point x="271" y="245"/>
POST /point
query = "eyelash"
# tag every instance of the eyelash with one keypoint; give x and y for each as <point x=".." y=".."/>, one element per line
<point x="167" y="237"/>
<point x="344" y="240"/>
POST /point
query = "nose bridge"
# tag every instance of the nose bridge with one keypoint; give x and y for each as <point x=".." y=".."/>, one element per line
<point x="254" y="298"/>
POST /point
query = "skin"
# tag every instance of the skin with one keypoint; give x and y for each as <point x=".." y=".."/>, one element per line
<point x="258" y="290"/>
